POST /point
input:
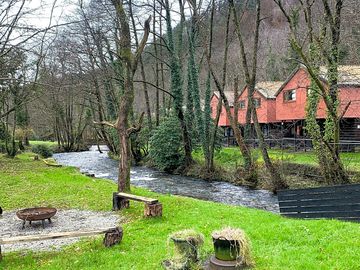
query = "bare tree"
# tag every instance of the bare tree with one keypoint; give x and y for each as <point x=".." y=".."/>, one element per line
<point x="323" y="46"/>
<point x="250" y="171"/>
<point x="130" y="62"/>
<point x="250" y="79"/>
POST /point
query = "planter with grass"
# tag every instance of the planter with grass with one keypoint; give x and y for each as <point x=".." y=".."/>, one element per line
<point x="232" y="248"/>
<point x="186" y="249"/>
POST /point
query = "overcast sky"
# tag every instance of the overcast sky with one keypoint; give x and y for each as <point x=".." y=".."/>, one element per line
<point x="41" y="17"/>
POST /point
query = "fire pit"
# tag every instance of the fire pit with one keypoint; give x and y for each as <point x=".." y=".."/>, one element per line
<point x="36" y="214"/>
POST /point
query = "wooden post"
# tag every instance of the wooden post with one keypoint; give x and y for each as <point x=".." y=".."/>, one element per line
<point x="153" y="210"/>
<point x="113" y="237"/>
<point x="119" y="203"/>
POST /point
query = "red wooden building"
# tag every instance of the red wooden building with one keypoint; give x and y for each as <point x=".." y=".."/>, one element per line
<point x="264" y="101"/>
<point x="291" y="101"/>
<point x="281" y="105"/>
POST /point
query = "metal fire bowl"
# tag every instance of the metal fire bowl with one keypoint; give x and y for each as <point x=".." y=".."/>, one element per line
<point x="37" y="213"/>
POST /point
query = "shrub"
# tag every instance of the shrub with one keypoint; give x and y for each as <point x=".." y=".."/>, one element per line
<point x="4" y="134"/>
<point x="140" y="143"/>
<point x="166" y="145"/>
<point x="2" y="147"/>
<point x="43" y="150"/>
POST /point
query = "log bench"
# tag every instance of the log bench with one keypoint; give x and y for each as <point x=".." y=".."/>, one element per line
<point x="153" y="208"/>
<point x="112" y="236"/>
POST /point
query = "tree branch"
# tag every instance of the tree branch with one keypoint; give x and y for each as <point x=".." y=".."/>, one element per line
<point x="142" y="44"/>
<point x="136" y="128"/>
<point x="157" y="87"/>
<point x="105" y="123"/>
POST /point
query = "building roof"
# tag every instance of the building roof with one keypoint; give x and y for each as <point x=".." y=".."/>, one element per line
<point x="268" y="89"/>
<point x="229" y="95"/>
<point x="348" y="75"/>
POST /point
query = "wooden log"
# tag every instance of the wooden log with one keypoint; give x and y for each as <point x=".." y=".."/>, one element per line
<point x="51" y="163"/>
<point x="113" y="237"/>
<point x="39" y="237"/>
<point x="153" y="210"/>
<point x="136" y="197"/>
<point x="119" y="203"/>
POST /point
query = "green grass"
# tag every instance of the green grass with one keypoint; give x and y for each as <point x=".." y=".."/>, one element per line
<point x="48" y="143"/>
<point x="278" y="243"/>
<point x="230" y="157"/>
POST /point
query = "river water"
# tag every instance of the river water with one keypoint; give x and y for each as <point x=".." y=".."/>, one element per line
<point x="102" y="166"/>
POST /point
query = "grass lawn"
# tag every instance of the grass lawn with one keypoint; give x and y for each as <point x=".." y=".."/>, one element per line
<point x="278" y="243"/>
<point x="229" y="157"/>
<point x="48" y="143"/>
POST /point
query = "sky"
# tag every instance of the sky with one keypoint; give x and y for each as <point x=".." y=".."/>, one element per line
<point x="44" y="14"/>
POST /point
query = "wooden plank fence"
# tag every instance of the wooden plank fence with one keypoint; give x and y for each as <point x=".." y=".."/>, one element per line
<point x="338" y="202"/>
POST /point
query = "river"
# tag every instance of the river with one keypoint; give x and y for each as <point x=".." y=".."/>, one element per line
<point x="99" y="164"/>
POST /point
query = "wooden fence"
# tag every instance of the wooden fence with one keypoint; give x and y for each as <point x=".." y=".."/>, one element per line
<point x="339" y="202"/>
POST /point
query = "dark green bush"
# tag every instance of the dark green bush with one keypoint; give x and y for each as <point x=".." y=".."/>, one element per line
<point x="166" y="145"/>
<point x="43" y="150"/>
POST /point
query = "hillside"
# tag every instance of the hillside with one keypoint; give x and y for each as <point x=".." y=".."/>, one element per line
<point x="275" y="58"/>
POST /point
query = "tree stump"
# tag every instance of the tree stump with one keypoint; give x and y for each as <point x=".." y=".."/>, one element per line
<point x="113" y="237"/>
<point x="119" y="203"/>
<point x="153" y="210"/>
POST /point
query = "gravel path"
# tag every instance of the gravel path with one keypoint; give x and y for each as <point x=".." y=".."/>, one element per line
<point x="64" y="220"/>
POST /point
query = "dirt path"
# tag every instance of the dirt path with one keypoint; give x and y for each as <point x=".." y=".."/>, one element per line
<point x="64" y="220"/>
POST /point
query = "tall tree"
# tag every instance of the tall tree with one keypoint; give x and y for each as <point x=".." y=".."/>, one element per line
<point x="177" y="80"/>
<point x="130" y="61"/>
<point x="324" y="46"/>
<point x="223" y="83"/>
<point x="250" y="80"/>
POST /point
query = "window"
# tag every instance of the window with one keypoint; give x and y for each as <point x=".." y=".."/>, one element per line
<point x="257" y="102"/>
<point x="242" y="104"/>
<point x="290" y="95"/>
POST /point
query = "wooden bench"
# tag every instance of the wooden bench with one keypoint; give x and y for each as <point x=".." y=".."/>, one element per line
<point x="153" y="208"/>
<point x="112" y="237"/>
<point x="339" y="202"/>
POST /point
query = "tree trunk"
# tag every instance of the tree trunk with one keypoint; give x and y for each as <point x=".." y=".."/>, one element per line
<point x="153" y="210"/>
<point x="130" y="61"/>
<point x="157" y="96"/>
<point x="220" y="102"/>
<point x="249" y="166"/>
<point x="113" y="237"/>
<point x="142" y="69"/>
<point x="276" y="179"/>
<point x="176" y="87"/>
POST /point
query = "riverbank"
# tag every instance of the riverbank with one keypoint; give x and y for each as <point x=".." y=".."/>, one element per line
<point x="299" y="169"/>
<point x="102" y="166"/>
<point x="278" y="243"/>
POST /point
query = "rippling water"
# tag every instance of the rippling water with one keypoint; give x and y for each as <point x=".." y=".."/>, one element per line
<point x="102" y="166"/>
